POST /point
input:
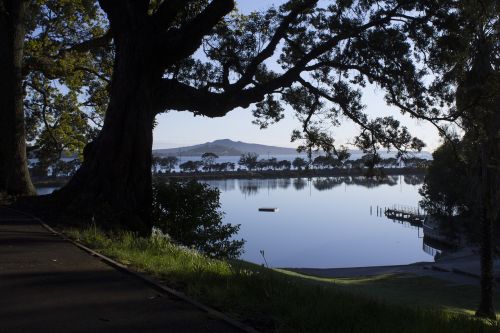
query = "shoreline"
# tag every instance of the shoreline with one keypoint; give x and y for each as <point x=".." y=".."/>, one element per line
<point x="244" y="174"/>
<point x="378" y="174"/>
<point x="461" y="268"/>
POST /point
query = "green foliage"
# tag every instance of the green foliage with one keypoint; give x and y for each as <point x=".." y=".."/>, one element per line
<point x="189" y="212"/>
<point x="446" y="188"/>
<point x="67" y="69"/>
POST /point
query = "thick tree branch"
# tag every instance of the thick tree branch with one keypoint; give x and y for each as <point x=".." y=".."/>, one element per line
<point x="173" y="95"/>
<point x="177" y="44"/>
<point x="167" y="13"/>
<point x="88" y="45"/>
<point x="123" y="13"/>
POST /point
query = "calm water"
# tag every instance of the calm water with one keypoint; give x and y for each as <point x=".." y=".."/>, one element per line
<point x="323" y="222"/>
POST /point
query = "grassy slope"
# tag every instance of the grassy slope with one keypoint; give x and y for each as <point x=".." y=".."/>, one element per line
<point x="286" y="302"/>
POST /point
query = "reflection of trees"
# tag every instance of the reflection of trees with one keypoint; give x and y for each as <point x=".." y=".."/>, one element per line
<point x="322" y="184"/>
<point x="284" y="183"/>
<point x="371" y="182"/>
<point x="222" y="184"/>
<point x="252" y="186"/>
<point x="272" y="184"/>
<point x="299" y="184"/>
<point x="414" y="179"/>
<point x="249" y="189"/>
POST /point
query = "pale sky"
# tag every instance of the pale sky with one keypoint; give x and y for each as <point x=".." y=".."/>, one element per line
<point x="177" y="129"/>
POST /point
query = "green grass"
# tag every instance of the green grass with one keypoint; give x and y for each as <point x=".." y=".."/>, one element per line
<point x="417" y="291"/>
<point x="273" y="300"/>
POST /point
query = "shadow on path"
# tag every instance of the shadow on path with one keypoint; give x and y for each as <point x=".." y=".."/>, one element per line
<point x="49" y="285"/>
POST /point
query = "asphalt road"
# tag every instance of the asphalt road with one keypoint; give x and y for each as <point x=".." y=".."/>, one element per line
<point x="49" y="285"/>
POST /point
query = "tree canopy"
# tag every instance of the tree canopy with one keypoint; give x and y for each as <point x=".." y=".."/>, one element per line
<point x="67" y="69"/>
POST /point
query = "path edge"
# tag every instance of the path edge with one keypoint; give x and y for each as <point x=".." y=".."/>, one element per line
<point x="149" y="280"/>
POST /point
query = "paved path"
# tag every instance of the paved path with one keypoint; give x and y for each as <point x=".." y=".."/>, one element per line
<point x="49" y="285"/>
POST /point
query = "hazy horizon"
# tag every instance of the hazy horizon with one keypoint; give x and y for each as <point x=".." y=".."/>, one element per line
<point x="266" y="144"/>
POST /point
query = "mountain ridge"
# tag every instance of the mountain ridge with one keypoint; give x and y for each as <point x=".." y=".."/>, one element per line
<point x="226" y="147"/>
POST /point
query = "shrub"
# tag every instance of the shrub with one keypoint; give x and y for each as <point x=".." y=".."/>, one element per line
<point x="189" y="212"/>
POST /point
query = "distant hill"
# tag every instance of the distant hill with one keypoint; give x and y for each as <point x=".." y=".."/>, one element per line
<point x="226" y="147"/>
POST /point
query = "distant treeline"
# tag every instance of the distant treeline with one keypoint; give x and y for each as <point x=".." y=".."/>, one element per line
<point x="251" y="162"/>
<point x="246" y="162"/>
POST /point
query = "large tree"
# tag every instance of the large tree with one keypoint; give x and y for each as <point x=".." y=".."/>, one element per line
<point x="14" y="176"/>
<point x="203" y="57"/>
<point x="66" y="72"/>
<point x="462" y="45"/>
<point x="54" y="73"/>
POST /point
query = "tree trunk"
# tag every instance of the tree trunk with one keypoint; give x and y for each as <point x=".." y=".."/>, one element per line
<point x="490" y="188"/>
<point x="486" y="308"/>
<point x="114" y="182"/>
<point x="14" y="175"/>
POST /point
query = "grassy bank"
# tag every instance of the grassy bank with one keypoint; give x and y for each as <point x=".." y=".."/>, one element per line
<point x="272" y="300"/>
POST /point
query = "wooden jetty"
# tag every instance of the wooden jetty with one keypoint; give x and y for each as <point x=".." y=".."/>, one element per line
<point x="408" y="214"/>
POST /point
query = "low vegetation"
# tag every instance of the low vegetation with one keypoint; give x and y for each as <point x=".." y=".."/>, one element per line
<point x="190" y="213"/>
<point x="274" y="300"/>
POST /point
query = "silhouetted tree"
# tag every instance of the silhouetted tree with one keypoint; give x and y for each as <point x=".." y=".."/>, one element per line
<point x="461" y="44"/>
<point x="299" y="163"/>
<point x="169" y="162"/>
<point x="326" y="54"/>
<point x="208" y="160"/>
<point x="248" y="160"/>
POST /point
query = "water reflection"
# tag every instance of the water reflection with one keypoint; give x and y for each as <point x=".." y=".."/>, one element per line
<point x="250" y="187"/>
<point x="323" y="221"/>
<point x="437" y="239"/>
<point x="322" y="184"/>
<point x="299" y="183"/>
<point x="414" y="179"/>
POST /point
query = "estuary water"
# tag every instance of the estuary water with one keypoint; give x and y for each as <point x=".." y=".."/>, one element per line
<point x="324" y="222"/>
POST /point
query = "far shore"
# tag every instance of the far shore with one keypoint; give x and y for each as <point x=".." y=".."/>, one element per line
<point x="264" y="174"/>
<point x="245" y="174"/>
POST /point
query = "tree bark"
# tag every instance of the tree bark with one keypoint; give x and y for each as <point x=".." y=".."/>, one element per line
<point x="486" y="308"/>
<point x="114" y="182"/>
<point x="490" y="188"/>
<point x="14" y="175"/>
